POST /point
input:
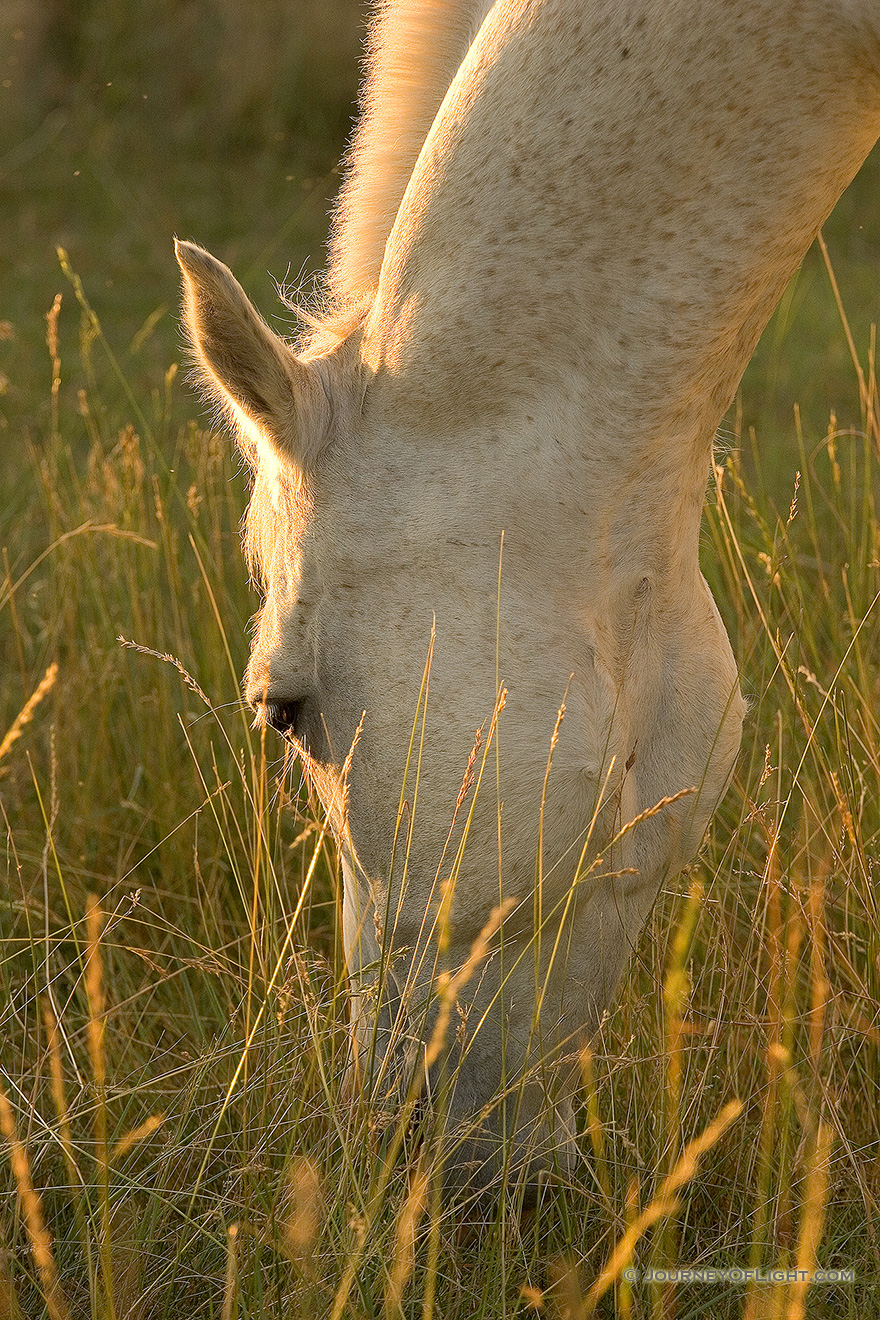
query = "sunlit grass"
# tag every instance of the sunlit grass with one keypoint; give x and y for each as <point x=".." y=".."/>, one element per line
<point x="180" y="1133"/>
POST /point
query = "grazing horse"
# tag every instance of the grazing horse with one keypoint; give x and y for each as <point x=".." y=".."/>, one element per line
<point x="478" y="483"/>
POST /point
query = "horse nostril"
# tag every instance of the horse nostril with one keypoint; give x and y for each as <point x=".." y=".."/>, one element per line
<point x="282" y="715"/>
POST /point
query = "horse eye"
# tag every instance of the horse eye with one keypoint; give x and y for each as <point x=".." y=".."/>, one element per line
<point x="285" y="716"/>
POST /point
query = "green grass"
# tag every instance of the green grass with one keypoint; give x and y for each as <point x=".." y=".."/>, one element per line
<point x="212" y="1008"/>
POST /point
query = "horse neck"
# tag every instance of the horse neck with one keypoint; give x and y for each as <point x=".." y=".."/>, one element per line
<point x="605" y="213"/>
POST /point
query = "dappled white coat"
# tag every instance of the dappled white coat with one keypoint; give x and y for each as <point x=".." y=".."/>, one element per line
<point x="541" y="303"/>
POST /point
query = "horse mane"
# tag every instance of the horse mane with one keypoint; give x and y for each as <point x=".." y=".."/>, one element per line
<point x="413" y="51"/>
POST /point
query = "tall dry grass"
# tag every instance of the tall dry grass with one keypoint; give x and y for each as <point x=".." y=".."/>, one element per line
<point x="179" y="1136"/>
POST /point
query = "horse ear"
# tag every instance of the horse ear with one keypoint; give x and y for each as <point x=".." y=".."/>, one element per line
<point x="277" y="402"/>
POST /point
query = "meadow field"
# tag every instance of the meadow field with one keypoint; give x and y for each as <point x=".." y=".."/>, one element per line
<point x="176" y="1137"/>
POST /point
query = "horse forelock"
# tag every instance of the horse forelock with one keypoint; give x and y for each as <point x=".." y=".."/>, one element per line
<point x="277" y="510"/>
<point x="258" y="530"/>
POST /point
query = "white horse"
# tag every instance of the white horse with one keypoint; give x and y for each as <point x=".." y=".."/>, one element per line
<point x="565" y="225"/>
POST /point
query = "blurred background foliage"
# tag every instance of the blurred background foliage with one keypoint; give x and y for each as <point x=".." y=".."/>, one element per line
<point x="123" y="123"/>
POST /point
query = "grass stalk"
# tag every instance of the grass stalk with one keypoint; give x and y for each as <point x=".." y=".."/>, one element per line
<point x="26" y="714"/>
<point x="32" y="1209"/>
<point x="97" y="1056"/>
<point x="663" y="1204"/>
